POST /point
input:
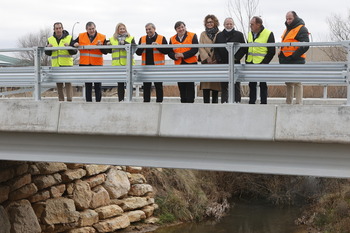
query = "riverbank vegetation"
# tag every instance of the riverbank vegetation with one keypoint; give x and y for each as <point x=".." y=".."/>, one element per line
<point x="187" y="195"/>
<point x="330" y="212"/>
<point x="192" y="195"/>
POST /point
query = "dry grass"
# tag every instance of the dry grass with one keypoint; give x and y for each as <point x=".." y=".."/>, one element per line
<point x="173" y="91"/>
<point x="170" y="91"/>
<point x="331" y="212"/>
<point x="191" y="195"/>
<point x="310" y="91"/>
<point x="187" y="195"/>
<point x="274" y="91"/>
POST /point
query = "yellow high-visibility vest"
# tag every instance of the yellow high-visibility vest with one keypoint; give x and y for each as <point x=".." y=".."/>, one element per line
<point x="119" y="55"/>
<point x="60" y="57"/>
<point x="257" y="54"/>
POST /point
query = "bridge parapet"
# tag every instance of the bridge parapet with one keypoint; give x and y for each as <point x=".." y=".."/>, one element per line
<point x="326" y="124"/>
<point x="281" y="139"/>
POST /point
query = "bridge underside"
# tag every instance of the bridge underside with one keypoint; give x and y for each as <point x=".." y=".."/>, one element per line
<point x="267" y="157"/>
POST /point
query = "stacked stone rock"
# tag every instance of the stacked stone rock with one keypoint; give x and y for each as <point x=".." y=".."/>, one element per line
<point x="73" y="198"/>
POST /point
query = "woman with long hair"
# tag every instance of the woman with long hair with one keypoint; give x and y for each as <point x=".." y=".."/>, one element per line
<point x="120" y="37"/>
<point x="211" y="25"/>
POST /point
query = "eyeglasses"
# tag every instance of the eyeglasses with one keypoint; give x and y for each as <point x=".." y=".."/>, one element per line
<point x="209" y="22"/>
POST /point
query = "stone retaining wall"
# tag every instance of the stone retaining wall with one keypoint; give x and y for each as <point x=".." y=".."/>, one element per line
<point x="72" y="198"/>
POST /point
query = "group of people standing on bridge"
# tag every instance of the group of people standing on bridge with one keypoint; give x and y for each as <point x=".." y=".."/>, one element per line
<point x="295" y="32"/>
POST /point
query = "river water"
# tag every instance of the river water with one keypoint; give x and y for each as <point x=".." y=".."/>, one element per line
<point x="246" y="218"/>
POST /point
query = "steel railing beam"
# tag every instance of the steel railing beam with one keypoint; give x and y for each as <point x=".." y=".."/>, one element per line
<point x="336" y="73"/>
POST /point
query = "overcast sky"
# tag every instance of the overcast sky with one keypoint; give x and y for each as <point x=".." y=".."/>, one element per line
<point x="21" y="17"/>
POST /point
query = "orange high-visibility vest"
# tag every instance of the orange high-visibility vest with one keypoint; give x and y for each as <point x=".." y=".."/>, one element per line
<point x="188" y="40"/>
<point x="158" y="57"/>
<point x="290" y="37"/>
<point x="91" y="56"/>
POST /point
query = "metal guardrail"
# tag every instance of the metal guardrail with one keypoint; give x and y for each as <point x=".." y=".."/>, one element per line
<point x="322" y="73"/>
<point x="37" y="76"/>
<point x="17" y="76"/>
<point x="171" y="73"/>
<point x="82" y="74"/>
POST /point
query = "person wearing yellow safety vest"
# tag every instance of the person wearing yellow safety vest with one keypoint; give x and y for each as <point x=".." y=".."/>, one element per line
<point x="184" y="56"/>
<point x="152" y="56"/>
<point x="295" y="32"/>
<point x="91" y="57"/>
<point x="120" y="37"/>
<point x="259" y="55"/>
<point x="61" y="38"/>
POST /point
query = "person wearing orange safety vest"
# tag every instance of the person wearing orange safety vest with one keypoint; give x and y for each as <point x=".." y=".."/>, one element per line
<point x="152" y="56"/>
<point x="91" y="57"/>
<point x="295" y="32"/>
<point x="183" y="56"/>
<point x="119" y="56"/>
<point x="61" y="38"/>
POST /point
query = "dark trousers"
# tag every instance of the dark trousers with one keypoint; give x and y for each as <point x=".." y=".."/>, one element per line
<point x="147" y="91"/>
<point x="224" y="92"/>
<point x="121" y="91"/>
<point x="88" y="92"/>
<point x="252" y="92"/>
<point x="186" y="92"/>
<point x="214" y="96"/>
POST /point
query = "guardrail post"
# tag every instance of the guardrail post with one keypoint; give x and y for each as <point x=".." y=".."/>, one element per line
<point x="37" y="70"/>
<point x="129" y="76"/>
<point x="325" y="91"/>
<point x="348" y="74"/>
<point x="231" y="61"/>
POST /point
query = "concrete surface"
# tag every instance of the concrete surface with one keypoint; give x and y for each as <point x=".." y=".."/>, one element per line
<point x="316" y="123"/>
<point x="230" y="121"/>
<point x="109" y="118"/>
<point x="311" y="140"/>
<point x="23" y="115"/>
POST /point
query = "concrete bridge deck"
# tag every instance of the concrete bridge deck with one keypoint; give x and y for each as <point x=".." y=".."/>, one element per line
<point x="275" y="139"/>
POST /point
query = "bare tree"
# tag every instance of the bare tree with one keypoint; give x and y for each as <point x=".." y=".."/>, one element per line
<point x="243" y="11"/>
<point x="339" y="31"/>
<point x="31" y="40"/>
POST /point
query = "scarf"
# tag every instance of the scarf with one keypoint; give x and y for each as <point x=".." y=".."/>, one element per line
<point x="211" y="32"/>
<point x="121" y="38"/>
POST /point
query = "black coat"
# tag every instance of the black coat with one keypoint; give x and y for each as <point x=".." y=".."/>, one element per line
<point x="302" y="36"/>
<point x="221" y="54"/>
